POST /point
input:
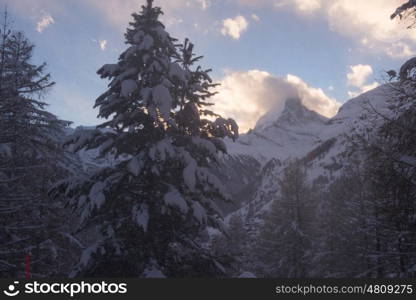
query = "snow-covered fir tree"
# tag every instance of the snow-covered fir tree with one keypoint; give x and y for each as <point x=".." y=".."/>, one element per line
<point x="31" y="160"/>
<point x="149" y="212"/>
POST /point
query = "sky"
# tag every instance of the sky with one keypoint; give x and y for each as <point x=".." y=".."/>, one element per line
<point x="261" y="51"/>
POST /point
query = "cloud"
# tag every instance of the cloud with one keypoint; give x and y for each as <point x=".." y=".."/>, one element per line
<point x="255" y="17"/>
<point x="363" y="89"/>
<point x="359" y="75"/>
<point x="119" y="14"/>
<point x="103" y="44"/>
<point x="302" y="6"/>
<point x="366" y="22"/>
<point x="314" y="98"/>
<point x="204" y="4"/>
<point x="44" y="23"/>
<point x="298" y="5"/>
<point x="234" y="27"/>
<point x="400" y="50"/>
<point x="247" y="96"/>
<point x="308" y="5"/>
<point x="358" y="78"/>
<point x="369" y="21"/>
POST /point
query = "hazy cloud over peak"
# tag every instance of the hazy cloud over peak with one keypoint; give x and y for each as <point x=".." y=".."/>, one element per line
<point x="248" y="95"/>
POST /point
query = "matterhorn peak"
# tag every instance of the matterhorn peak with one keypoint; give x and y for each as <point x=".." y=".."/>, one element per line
<point x="294" y="113"/>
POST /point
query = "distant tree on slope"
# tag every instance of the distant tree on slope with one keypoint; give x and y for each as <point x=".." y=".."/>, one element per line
<point x="285" y="238"/>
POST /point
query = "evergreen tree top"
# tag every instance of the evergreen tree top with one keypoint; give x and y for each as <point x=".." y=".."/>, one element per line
<point x="156" y="91"/>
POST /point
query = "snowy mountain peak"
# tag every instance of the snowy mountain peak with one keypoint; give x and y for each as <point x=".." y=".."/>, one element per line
<point x="293" y="114"/>
<point x="289" y="133"/>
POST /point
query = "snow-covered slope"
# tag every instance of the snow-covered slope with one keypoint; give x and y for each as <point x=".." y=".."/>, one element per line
<point x="361" y="115"/>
